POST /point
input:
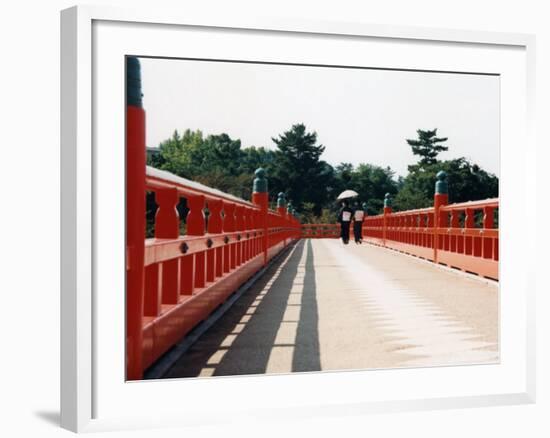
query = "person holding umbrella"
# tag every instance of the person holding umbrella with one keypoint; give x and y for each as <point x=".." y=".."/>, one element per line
<point x="345" y="214"/>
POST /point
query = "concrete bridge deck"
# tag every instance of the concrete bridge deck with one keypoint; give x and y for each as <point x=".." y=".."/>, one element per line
<point x="326" y="306"/>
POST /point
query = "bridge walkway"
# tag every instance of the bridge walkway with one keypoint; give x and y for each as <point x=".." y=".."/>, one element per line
<point x="326" y="306"/>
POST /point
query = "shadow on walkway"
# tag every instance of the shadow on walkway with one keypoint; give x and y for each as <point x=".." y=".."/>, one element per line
<point x="272" y="328"/>
<point x="307" y="356"/>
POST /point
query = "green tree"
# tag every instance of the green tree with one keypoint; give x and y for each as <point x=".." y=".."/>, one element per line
<point x="254" y="157"/>
<point x="183" y="155"/>
<point x="467" y="182"/>
<point x="297" y="168"/>
<point x="372" y="183"/>
<point x="344" y="173"/>
<point x="221" y="154"/>
<point x="427" y="146"/>
<point x="214" y="161"/>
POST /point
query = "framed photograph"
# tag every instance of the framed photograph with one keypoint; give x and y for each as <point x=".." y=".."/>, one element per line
<point x="266" y="217"/>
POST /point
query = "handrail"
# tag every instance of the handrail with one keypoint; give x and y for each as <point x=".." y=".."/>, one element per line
<point x="159" y="179"/>
<point x="415" y="211"/>
<point x="448" y="234"/>
<point x="320" y="231"/>
<point x="175" y="281"/>
<point x="187" y="276"/>
<point x="471" y="204"/>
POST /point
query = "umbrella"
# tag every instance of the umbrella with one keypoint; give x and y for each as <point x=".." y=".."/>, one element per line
<point x="347" y="194"/>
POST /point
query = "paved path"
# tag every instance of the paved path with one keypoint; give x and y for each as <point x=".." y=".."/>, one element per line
<point x="326" y="306"/>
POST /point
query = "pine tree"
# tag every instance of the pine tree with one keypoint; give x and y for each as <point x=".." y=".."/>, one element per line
<point x="298" y="170"/>
<point x="428" y="146"/>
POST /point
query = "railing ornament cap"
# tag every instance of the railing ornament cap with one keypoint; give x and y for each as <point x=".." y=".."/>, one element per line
<point x="387" y="200"/>
<point x="133" y="90"/>
<point x="260" y="182"/>
<point x="441" y="186"/>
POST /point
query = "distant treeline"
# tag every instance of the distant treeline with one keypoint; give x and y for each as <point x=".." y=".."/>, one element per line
<point x="295" y="167"/>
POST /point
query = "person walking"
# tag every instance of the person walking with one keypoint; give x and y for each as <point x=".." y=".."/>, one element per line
<point x="358" y="217"/>
<point x="344" y="217"/>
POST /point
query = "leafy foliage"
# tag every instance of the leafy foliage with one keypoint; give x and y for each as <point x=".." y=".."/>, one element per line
<point x="296" y="168"/>
<point x="467" y="181"/>
<point x="427" y="146"/>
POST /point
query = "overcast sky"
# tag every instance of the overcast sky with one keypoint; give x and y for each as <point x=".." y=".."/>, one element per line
<point x="360" y="115"/>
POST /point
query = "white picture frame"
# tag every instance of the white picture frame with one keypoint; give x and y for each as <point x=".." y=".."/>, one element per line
<point x="94" y="395"/>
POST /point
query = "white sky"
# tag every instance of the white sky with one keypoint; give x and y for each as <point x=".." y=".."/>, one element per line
<point x="360" y="115"/>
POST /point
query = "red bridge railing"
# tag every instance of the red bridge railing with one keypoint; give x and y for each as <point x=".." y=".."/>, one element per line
<point x="320" y="231"/>
<point x="174" y="281"/>
<point x="188" y="276"/>
<point x="463" y="235"/>
<point x="458" y="241"/>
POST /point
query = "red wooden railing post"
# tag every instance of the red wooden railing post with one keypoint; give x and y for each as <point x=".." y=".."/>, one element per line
<point x="488" y="223"/>
<point x="291" y="224"/>
<point x="364" y="206"/>
<point x="387" y="212"/>
<point x="230" y="249"/>
<point x="167" y="223"/>
<point x="214" y="256"/>
<point x="255" y="226"/>
<point x="152" y="303"/>
<point x="239" y="226"/>
<point x="135" y="222"/>
<point x="187" y="274"/>
<point x="260" y="238"/>
<point x="455" y="224"/>
<point x="270" y="228"/>
<point x="220" y="256"/>
<point x="295" y="224"/>
<point x="424" y="225"/>
<point x="441" y="198"/>
<point x="289" y="220"/>
<point x="248" y="227"/>
<point x="281" y="209"/>
<point x="195" y="227"/>
<point x="215" y="224"/>
<point x="260" y="198"/>
<point x="468" y="224"/>
<point x="167" y="219"/>
<point x="298" y="224"/>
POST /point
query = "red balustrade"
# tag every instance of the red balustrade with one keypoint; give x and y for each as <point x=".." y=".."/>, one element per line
<point x="472" y="247"/>
<point x="188" y="276"/>
<point x="445" y="234"/>
<point x="175" y="281"/>
<point x="320" y="231"/>
<point x="462" y="236"/>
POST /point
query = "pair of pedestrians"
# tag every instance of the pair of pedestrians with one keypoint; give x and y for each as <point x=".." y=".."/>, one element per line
<point x="345" y="217"/>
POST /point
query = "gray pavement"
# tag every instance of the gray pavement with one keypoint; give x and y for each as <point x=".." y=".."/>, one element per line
<point x="326" y="306"/>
